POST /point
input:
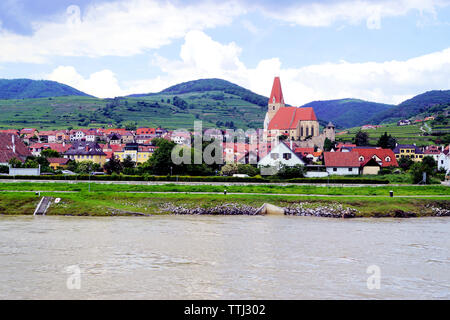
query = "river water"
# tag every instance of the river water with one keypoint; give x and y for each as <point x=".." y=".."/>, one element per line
<point x="223" y="257"/>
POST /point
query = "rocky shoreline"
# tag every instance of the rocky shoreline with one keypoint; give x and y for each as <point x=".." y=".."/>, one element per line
<point x="335" y="211"/>
<point x="303" y="209"/>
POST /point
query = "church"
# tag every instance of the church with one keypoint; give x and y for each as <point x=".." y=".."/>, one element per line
<point x="298" y="124"/>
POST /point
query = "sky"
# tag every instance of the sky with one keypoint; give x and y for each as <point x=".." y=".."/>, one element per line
<point x="378" y="50"/>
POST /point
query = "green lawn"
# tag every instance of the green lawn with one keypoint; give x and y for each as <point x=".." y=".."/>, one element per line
<point x="273" y="189"/>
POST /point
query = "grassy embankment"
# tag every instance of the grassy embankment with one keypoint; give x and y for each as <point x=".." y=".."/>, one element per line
<point x="105" y="200"/>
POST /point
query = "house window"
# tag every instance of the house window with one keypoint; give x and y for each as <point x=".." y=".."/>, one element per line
<point x="274" y="156"/>
<point x="442" y="161"/>
<point x="350" y="169"/>
<point x="286" y="156"/>
<point x="402" y="151"/>
<point x="335" y="169"/>
<point x="388" y="159"/>
<point x="361" y="159"/>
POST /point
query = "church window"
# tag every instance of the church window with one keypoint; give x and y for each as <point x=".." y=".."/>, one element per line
<point x="273" y="107"/>
<point x="307" y="131"/>
<point x="273" y="99"/>
<point x="312" y="131"/>
<point x="301" y="131"/>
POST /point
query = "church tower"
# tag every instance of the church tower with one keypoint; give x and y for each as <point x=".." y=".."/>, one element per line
<point x="276" y="101"/>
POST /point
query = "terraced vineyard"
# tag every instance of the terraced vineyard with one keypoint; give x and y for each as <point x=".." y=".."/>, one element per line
<point x="214" y="108"/>
<point x="404" y="134"/>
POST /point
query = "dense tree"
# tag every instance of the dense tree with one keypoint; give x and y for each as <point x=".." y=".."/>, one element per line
<point x="405" y="163"/>
<point x="361" y="138"/>
<point x="87" y="167"/>
<point x="161" y="161"/>
<point x="113" y="166"/>
<point x="130" y="125"/>
<point x="296" y="171"/>
<point x="328" y="144"/>
<point x="15" y="163"/>
<point x="248" y="169"/>
<point x="229" y="169"/>
<point x="428" y="166"/>
<point x="128" y="162"/>
<point x="49" y="153"/>
<point x="386" y="141"/>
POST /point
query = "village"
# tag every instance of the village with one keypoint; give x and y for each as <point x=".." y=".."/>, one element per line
<point x="291" y="137"/>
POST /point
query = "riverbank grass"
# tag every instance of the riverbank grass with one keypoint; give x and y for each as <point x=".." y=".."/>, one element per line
<point x="111" y="204"/>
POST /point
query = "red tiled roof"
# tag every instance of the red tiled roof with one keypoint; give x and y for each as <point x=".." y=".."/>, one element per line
<point x="276" y="93"/>
<point x="288" y="117"/>
<point x="116" y="147"/>
<point x="382" y="154"/>
<point x="28" y="131"/>
<point x="341" y="159"/>
<point x="304" y="151"/>
<point x="146" y="131"/>
<point x="11" y="131"/>
<point x="61" y="161"/>
<point x="59" y="147"/>
<point x="9" y="150"/>
<point x="47" y="133"/>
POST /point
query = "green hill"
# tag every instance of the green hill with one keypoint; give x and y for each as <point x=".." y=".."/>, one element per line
<point x="218" y="103"/>
<point x="345" y="113"/>
<point x="208" y="85"/>
<point x="31" y="89"/>
<point x="428" y="102"/>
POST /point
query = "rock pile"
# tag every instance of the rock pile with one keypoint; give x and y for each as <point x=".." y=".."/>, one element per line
<point x="440" y="212"/>
<point x="334" y="211"/>
<point x="229" y="209"/>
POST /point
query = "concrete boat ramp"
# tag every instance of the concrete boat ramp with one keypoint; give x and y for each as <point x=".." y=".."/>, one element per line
<point x="43" y="206"/>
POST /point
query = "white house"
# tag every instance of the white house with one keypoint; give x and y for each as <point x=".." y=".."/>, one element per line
<point x="341" y="163"/>
<point x="443" y="161"/>
<point x="280" y="155"/>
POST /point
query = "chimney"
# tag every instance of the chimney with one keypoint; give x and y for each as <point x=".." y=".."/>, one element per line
<point x="13" y="143"/>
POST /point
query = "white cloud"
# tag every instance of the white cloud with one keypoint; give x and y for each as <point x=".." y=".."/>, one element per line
<point x="323" y="14"/>
<point x="102" y="84"/>
<point x="122" y="28"/>
<point x="202" y="57"/>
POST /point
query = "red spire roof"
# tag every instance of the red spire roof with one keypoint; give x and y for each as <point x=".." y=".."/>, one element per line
<point x="276" y="93"/>
<point x="288" y="117"/>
